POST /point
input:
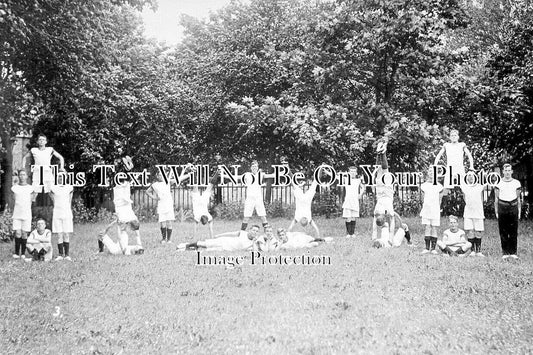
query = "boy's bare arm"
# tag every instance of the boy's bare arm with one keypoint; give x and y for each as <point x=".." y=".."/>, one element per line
<point x="61" y="160"/>
<point x="439" y="155"/>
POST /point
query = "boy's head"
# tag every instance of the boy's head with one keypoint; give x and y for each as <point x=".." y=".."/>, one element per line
<point x="304" y="221"/>
<point x="254" y="167"/>
<point x="204" y="219"/>
<point x="269" y="232"/>
<point x="134" y="225"/>
<point x="159" y="176"/>
<point x="507" y="171"/>
<point x="41" y="225"/>
<point x="253" y="232"/>
<point x="380" y="220"/>
<point x="471" y="178"/>
<point x="352" y="171"/>
<point x="22" y="176"/>
<point x="454" y="223"/>
<point x="41" y="140"/>
<point x="454" y="136"/>
<point x="282" y="235"/>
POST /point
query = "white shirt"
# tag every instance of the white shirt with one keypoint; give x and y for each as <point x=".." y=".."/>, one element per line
<point x="455" y="156"/>
<point x="473" y="201"/>
<point x="165" y="202"/>
<point x="450" y="237"/>
<point x="351" y="200"/>
<point x="253" y="190"/>
<point x="43" y="157"/>
<point x="431" y="206"/>
<point x="304" y="201"/>
<point x="122" y="195"/>
<point x="22" y="209"/>
<point x="297" y="240"/>
<point x="62" y="207"/>
<point x="45" y="238"/>
<point x="200" y="203"/>
<point x="508" y="190"/>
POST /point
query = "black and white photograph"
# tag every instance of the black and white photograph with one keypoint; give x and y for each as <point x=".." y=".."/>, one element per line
<point x="266" y="177"/>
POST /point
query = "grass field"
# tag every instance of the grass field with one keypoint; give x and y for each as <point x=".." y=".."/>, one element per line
<point x="382" y="301"/>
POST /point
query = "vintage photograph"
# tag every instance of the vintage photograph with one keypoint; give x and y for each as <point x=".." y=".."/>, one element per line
<point x="266" y="177"/>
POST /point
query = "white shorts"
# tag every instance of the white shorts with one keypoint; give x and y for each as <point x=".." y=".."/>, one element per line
<point x="22" y="224"/>
<point x="62" y="225"/>
<point x="48" y="181"/>
<point x="348" y="213"/>
<point x="166" y="216"/>
<point x="474" y="224"/>
<point x="209" y="217"/>
<point x="125" y="213"/>
<point x="385" y="206"/>
<point x="435" y="222"/>
<point x="254" y="203"/>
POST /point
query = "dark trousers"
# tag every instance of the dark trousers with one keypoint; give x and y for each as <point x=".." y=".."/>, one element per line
<point x="508" y="225"/>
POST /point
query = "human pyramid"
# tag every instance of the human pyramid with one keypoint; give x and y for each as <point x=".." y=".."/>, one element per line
<point x="384" y="233"/>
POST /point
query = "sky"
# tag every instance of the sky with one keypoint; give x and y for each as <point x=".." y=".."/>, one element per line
<point x="163" y="24"/>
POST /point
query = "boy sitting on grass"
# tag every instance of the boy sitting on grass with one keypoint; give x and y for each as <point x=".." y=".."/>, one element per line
<point x="39" y="243"/>
<point x="453" y="242"/>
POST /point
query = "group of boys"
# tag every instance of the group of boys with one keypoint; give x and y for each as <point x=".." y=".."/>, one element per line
<point x="454" y="241"/>
<point x="39" y="242"/>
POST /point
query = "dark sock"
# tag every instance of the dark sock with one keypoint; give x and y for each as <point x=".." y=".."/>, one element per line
<point x="433" y="243"/>
<point x="427" y="239"/>
<point x="191" y="246"/>
<point x="448" y="250"/>
<point x="35" y="254"/>
<point x="244" y="226"/>
<point x="348" y="227"/>
<point x="17" y="245"/>
<point x="66" y="246"/>
<point x="100" y="246"/>
<point x="265" y="225"/>
<point x="169" y="233"/>
<point x="60" y="248"/>
<point x="478" y="245"/>
<point x="408" y="237"/>
<point x="23" y="246"/>
<point x="352" y="227"/>
<point x="319" y="240"/>
<point x="473" y="242"/>
<point x="163" y="233"/>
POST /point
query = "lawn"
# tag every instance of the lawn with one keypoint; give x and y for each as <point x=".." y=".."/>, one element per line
<point x="382" y="301"/>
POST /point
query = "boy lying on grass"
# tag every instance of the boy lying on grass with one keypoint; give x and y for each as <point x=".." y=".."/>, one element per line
<point x="227" y="242"/>
<point x="122" y="245"/>
<point x="453" y="242"/>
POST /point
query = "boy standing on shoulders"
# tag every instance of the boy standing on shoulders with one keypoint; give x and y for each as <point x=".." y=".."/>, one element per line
<point x="508" y="207"/>
<point x="473" y="214"/>
<point x="453" y="242"/>
<point x="455" y="152"/>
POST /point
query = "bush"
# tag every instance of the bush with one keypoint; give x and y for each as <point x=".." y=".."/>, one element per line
<point x="278" y="209"/>
<point x="408" y="207"/>
<point x="230" y="211"/>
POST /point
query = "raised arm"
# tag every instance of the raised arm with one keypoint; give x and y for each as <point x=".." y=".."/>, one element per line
<point x="28" y="155"/>
<point x="470" y="158"/>
<point x="496" y="198"/>
<point x="439" y="155"/>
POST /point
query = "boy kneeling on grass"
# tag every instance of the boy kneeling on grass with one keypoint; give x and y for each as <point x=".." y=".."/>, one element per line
<point x="39" y="243"/>
<point x="122" y="245"/>
<point x="453" y="242"/>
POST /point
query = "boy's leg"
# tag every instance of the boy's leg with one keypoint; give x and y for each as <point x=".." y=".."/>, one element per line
<point x="66" y="245"/>
<point x="169" y="230"/>
<point x="374" y="229"/>
<point x="441" y="245"/>
<point x="60" y="249"/>
<point x="163" y="229"/>
<point x="427" y="238"/>
<point x="114" y="248"/>
<point x="210" y="223"/>
<point x="23" y="242"/>
<point x="18" y="243"/>
<point x="316" y="229"/>
<point x="434" y="238"/>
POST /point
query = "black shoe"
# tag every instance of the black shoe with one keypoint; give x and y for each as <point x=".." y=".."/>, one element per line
<point x="139" y="252"/>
